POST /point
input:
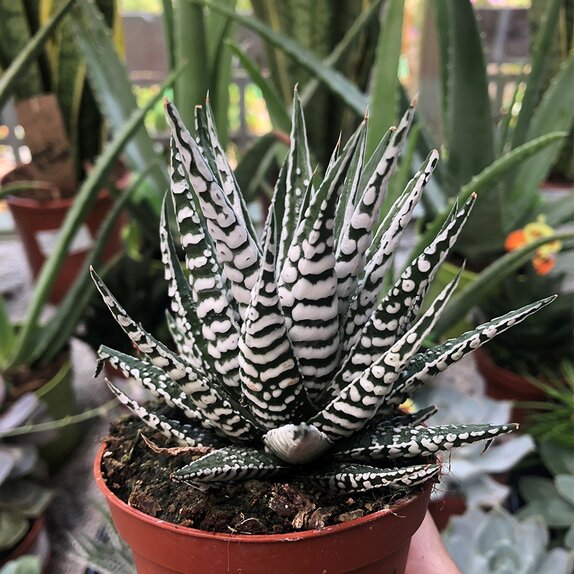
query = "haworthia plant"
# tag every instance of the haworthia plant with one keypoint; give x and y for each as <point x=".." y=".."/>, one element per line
<point x="288" y="352"/>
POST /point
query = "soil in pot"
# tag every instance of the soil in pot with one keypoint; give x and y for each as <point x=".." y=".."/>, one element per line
<point x="140" y="477"/>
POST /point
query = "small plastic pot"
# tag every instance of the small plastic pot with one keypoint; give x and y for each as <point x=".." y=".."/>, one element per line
<point x="502" y="384"/>
<point x="374" y="544"/>
<point x="38" y="223"/>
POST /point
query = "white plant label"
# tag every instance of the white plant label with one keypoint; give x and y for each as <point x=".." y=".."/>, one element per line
<point x="48" y="239"/>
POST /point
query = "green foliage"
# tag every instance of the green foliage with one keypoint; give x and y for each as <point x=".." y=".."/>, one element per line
<point x="290" y="355"/>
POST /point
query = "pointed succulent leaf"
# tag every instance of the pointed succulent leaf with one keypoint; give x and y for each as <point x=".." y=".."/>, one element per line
<point x="364" y="300"/>
<point x="297" y="179"/>
<point x="348" y="196"/>
<point x="150" y="377"/>
<point x="237" y="251"/>
<point x="270" y="379"/>
<point x="156" y="351"/>
<point x="210" y="296"/>
<point x="358" y="402"/>
<point x="346" y="477"/>
<point x="182" y="346"/>
<point x="308" y="288"/>
<point x="356" y="234"/>
<point x="219" y="165"/>
<point x="424" y="366"/>
<point x="191" y="435"/>
<point x="408" y="442"/>
<point x="230" y="463"/>
<point x="213" y="338"/>
<point x="219" y="409"/>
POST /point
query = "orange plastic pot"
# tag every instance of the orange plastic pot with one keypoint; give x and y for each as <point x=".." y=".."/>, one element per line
<point x="38" y="223"/>
<point x="374" y="544"/>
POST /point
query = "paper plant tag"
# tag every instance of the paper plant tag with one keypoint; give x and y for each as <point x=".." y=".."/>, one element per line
<point x="45" y="135"/>
<point x="48" y="239"/>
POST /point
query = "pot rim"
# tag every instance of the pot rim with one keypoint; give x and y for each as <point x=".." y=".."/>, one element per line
<point x="247" y="538"/>
<point x="55" y="204"/>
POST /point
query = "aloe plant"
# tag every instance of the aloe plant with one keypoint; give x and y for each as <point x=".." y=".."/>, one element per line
<point x="290" y="359"/>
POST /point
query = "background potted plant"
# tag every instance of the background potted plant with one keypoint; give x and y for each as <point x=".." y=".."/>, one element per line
<point x="23" y="499"/>
<point x="327" y="413"/>
<point x="35" y="350"/>
<point x="474" y="477"/>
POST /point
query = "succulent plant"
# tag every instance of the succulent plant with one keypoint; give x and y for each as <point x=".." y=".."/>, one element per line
<point x="291" y="358"/>
<point x="469" y="468"/>
<point x="498" y="543"/>
<point x="21" y="497"/>
<point x="552" y="498"/>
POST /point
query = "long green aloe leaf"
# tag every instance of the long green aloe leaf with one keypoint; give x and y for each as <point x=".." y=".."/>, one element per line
<point x="58" y="330"/>
<point x="109" y="80"/>
<point x="488" y="280"/>
<point x="76" y="215"/>
<point x="469" y="133"/>
<point x="333" y="79"/>
<point x="483" y="184"/>
<point x="555" y="112"/>
<point x="535" y="84"/>
<point x="27" y="56"/>
<point x="383" y="99"/>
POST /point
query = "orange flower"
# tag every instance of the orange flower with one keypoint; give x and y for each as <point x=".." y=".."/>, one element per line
<point x="544" y="259"/>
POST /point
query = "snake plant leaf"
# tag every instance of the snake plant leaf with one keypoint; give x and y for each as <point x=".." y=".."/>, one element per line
<point x="429" y="363"/>
<point x="346" y="477"/>
<point x="332" y="79"/>
<point x="151" y="377"/>
<point x="211" y="338"/>
<point x="270" y="377"/>
<point x="275" y="106"/>
<point x="356" y="235"/>
<point x="109" y="80"/>
<point x="289" y="202"/>
<point x="308" y="287"/>
<point x="189" y="434"/>
<point x="24" y="62"/>
<point x="365" y="298"/>
<point x="237" y="252"/>
<point x="226" y="464"/>
<point x="361" y="398"/>
<point x="408" y="442"/>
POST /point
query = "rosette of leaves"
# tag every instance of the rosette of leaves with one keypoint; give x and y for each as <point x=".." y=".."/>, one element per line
<point x="470" y="469"/>
<point x="22" y="498"/>
<point x="498" y="543"/>
<point x="552" y="498"/>
<point x="294" y="353"/>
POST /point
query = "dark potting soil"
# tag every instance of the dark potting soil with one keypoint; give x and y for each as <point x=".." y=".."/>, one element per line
<point x="141" y="477"/>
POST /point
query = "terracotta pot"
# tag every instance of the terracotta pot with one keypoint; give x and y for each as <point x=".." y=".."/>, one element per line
<point x="35" y="543"/>
<point x="502" y="384"/>
<point x="374" y="544"/>
<point x="38" y="222"/>
<point x="450" y="505"/>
